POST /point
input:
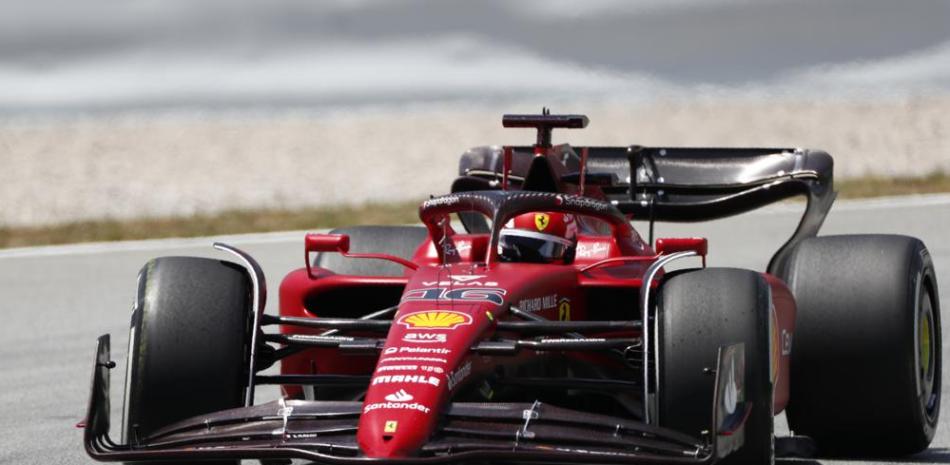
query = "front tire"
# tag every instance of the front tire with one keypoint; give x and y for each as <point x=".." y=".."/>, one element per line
<point x="188" y="343"/>
<point x="699" y="312"/>
<point x="866" y="360"/>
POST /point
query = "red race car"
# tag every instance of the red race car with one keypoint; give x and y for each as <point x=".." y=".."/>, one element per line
<point x="527" y="321"/>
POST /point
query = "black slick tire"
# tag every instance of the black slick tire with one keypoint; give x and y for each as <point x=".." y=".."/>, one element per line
<point x="866" y="358"/>
<point x="401" y="241"/>
<point x="699" y="312"/>
<point x="189" y="343"/>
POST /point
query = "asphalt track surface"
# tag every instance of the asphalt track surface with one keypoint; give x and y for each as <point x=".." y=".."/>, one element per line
<point x="55" y="301"/>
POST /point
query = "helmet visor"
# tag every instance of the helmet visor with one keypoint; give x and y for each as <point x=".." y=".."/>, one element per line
<point x="519" y="248"/>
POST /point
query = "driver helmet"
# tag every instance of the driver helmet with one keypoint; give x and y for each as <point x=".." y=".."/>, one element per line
<point x="538" y="237"/>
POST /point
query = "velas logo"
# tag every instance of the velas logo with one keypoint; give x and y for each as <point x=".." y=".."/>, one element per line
<point x="435" y="319"/>
<point x="541" y="221"/>
<point x="465" y="278"/>
<point x="459" y="280"/>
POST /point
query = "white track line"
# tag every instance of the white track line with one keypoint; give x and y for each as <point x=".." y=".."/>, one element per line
<point x="872" y="203"/>
<point x="876" y="203"/>
<point x="154" y="244"/>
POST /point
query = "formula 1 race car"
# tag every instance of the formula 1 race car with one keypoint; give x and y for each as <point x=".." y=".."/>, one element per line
<point x="527" y="321"/>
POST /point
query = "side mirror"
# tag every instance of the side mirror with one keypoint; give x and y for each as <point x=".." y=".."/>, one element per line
<point x="340" y="243"/>
<point x="323" y="243"/>
<point x="668" y="245"/>
<point x="327" y="243"/>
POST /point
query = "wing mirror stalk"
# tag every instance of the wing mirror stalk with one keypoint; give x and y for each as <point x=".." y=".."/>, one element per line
<point x="669" y="245"/>
<point x="340" y="243"/>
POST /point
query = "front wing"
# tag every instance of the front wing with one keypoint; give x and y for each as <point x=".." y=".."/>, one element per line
<point x="325" y="432"/>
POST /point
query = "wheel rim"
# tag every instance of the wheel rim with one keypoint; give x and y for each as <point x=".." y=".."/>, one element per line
<point x="927" y="347"/>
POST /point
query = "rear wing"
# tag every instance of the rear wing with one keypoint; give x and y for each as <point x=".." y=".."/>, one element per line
<point x="672" y="183"/>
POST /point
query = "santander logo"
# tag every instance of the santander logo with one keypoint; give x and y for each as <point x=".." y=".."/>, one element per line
<point x="399" y="396"/>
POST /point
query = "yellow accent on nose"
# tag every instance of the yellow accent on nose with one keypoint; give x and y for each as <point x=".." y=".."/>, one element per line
<point x="390" y="426"/>
<point x="435" y="320"/>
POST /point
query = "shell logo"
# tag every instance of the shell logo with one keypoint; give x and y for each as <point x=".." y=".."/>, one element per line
<point x="435" y="319"/>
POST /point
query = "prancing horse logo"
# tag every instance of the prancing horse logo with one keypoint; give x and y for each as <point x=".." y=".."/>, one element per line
<point x="541" y="220"/>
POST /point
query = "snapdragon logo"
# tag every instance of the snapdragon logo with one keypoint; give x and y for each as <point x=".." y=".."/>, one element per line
<point x="443" y="201"/>
<point x="581" y="202"/>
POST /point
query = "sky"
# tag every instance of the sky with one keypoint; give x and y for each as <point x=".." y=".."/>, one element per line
<point x="63" y="56"/>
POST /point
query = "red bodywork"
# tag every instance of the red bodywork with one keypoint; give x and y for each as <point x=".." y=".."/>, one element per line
<point x="453" y="299"/>
<point x="466" y="356"/>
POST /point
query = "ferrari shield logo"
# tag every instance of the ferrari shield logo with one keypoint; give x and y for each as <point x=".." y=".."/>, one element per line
<point x="564" y="310"/>
<point x="541" y="221"/>
<point x="390" y="426"/>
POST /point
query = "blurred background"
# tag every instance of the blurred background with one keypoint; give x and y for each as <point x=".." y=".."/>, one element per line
<point x="132" y="119"/>
<point x="135" y="119"/>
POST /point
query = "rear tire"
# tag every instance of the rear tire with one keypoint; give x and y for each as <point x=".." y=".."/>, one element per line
<point x="866" y="359"/>
<point x="188" y="343"/>
<point x="401" y="241"/>
<point x="699" y="312"/>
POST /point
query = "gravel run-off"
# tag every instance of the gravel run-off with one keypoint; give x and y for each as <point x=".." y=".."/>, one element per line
<point x="129" y="165"/>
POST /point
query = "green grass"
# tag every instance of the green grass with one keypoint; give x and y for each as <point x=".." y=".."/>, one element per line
<point x="227" y="222"/>
<point x="878" y="186"/>
<point x="247" y="221"/>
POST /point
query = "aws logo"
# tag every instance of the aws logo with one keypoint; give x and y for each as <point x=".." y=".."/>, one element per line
<point x="435" y="319"/>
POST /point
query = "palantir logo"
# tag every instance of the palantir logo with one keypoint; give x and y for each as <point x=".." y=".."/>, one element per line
<point x="399" y="396"/>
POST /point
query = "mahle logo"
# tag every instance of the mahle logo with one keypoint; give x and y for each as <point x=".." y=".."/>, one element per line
<point x="435" y="319"/>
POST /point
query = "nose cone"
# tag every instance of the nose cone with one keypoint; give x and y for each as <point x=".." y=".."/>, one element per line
<point x="411" y="382"/>
<point x="397" y="425"/>
<point x="442" y="314"/>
